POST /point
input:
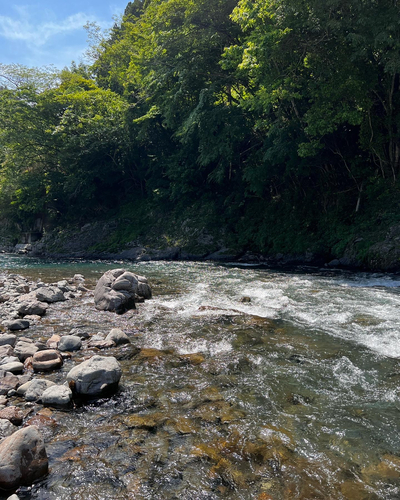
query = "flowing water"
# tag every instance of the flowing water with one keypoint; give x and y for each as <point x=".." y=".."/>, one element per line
<point x="250" y="384"/>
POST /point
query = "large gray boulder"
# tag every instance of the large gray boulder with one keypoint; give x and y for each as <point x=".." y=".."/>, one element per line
<point x="116" y="290"/>
<point x="50" y="294"/>
<point x="23" y="458"/>
<point x="36" y="388"/>
<point x="96" y="376"/>
<point x="32" y="306"/>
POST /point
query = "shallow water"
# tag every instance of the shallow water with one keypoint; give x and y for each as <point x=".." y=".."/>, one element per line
<point x="251" y="384"/>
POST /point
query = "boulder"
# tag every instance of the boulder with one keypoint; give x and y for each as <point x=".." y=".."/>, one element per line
<point x="24" y="349"/>
<point x="118" y="337"/>
<point x="53" y="341"/>
<point x="13" y="367"/>
<point x="44" y="361"/>
<point x="32" y="307"/>
<point x="8" y="382"/>
<point x="49" y="294"/>
<point x="7" y="339"/>
<point x="23" y="458"/>
<point x="6" y="350"/>
<point x="116" y="290"/>
<point x="16" y="324"/>
<point x="69" y="343"/>
<point x="36" y="388"/>
<point x="96" y="376"/>
<point x="57" y="395"/>
<point x="6" y="428"/>
<point x="13" y="414"/>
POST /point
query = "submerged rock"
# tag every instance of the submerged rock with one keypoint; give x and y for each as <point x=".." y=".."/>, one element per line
<point x="96" y="376"/>
<point x="16" y="324"/>
<point x="23" y="458"/>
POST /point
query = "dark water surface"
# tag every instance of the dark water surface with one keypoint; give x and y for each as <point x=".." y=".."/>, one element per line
<point x="250" y="384"/>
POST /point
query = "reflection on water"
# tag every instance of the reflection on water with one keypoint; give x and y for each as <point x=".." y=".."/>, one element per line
<point x="250" y="384"/>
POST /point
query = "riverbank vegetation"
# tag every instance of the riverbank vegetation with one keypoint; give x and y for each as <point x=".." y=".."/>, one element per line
<point x="278" y="121"/>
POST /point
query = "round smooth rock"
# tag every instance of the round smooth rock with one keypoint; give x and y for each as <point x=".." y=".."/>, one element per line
<point x="13" y="367"/>
<point x="57" y="395"/>
<point x="69" y="343"/>
<point x="8" y="381"/>
<point x="24" y="349"/>
<point x="23" y="458"/>
<point x="96" y="376"/>
<point x="8" y="339"/>
<point x="17" y="324"/>
<point x="36" y="388"/>
<point x="118" y="337"/>
<point x="47" y="360"/>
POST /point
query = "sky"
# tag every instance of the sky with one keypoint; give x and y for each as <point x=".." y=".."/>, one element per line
<point x="50" y="32"/>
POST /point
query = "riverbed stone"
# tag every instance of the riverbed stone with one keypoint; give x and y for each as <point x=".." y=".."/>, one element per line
<point x="50" y="294"/>
<point x="23" y="458"/>
<point x="32" y="307"/>
<point x="69" y="343"/>
<point x="48" y="360"/>
<point x="13" y="414"/>
<point x="6" y="350"/>
<point x="95" y="376"/>
<point x="36" y="388"/>
<point x="16" y="324"/>
<point x="53" y="341"/>
<point x="7" y="339"/>
<point x="24" y="349"/>
<point x="13" y="367"/>
<point x="6" y="428"/>
<point x="118" y="337"/>
<point x="8" y="381"/>
<point x="57" y="395"/>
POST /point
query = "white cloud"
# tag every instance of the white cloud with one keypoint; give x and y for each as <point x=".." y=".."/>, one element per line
<point x="38" y="34"/>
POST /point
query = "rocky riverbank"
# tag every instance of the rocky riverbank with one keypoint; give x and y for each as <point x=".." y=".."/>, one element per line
<point x="28" y="363"/>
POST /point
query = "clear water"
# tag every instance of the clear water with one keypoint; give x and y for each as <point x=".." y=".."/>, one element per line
<point x="290" y="393"/>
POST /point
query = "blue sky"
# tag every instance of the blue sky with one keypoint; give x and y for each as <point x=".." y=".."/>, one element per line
<point x="44" y="32"/>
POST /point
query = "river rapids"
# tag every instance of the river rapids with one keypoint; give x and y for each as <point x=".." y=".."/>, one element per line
<point x="249" y="384"/>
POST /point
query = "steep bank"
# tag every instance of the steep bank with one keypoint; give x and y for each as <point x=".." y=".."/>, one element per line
<point x="201" y="233"/>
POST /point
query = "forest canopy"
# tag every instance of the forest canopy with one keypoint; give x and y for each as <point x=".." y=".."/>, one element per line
<point x="280" y="116"/>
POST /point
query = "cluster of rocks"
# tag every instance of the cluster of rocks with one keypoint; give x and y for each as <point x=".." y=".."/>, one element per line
<point x="23" y="362"/>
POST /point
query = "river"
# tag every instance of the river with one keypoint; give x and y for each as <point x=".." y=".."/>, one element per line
<point x="250" y="384"/>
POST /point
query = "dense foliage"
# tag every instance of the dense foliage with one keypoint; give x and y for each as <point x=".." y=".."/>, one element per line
<point x="282" y="117"/>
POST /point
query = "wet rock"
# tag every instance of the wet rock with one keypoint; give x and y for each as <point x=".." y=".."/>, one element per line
<point x="36" y="388"/>
<point x="24" y="349"/>
<point x="13" y="367"/>
<point x="116" y="290"/>
<point x="8" y="381"/>
<point x="57" y="395"/>
<point x="32" y="307"/>
<point x="118" y="337"/>
<point x="50" y="294"/>
<point x="96" y="376"/>
<point x="69" y="343"/>
<point x="53" y="341"/>
<point x="16" y="324"/>
<point x="48" y="360"/>
<point x="6" y="428"/>
<point x="13" y="414"/>
<point x="23" y="459"/>
<point x="7" y="339"/>
<point x="6" y="350"/>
